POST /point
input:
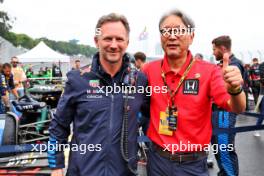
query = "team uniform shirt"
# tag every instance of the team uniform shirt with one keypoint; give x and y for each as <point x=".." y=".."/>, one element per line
<point x="6" y="83"/>
<point x="261" y="73"/>
<point x="3" y="86"/>
<point x="56" y="72"/>
<point x="29" y="73"/>
<point x="203" y="84"/>
<point x="10" y="84"/>
<point x="97" y="121"/>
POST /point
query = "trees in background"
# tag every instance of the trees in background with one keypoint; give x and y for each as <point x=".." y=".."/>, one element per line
<point x="70" y="48"/>
<point x="5" y="21"/>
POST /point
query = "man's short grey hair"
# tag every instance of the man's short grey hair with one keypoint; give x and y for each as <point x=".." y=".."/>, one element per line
<point x="113" y="17"/>
<point x="187" y="21"/>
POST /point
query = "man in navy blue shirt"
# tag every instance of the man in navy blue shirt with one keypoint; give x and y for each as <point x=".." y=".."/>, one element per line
<point x="3" y="97"/>
<point x="107" y="122"/>
<point x="227" y="160"/>
<point x="7" y="85"/>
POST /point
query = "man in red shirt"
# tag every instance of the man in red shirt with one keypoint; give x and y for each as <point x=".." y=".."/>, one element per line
<point x="180" y="122"/>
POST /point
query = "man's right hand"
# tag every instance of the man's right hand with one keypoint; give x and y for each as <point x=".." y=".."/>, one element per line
<point x="57" y="172"/>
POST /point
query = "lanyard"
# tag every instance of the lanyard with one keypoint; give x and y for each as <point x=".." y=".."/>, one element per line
<point x="171" y="93"/>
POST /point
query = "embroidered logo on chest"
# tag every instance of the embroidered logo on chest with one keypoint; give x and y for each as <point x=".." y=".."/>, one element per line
<point x="191" y="86"/>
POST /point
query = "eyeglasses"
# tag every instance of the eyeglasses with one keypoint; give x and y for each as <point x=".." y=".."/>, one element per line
<point x="14" y="62"/>
<point x="167" y="32"/>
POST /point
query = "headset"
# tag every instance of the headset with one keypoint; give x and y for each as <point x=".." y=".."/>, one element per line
<point x="129" y="80"/>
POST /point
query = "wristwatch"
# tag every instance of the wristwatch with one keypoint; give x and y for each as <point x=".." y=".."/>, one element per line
<point x="236" y="91"/>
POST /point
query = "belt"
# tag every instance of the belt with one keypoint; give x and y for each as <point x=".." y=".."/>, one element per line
<point x="216" y="108"/>
<point x="179" y="157"/>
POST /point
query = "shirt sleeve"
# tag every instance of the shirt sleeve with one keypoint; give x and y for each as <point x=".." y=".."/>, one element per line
<point x="3" y="87"/>
<point x="60" y="125"/>
<point x="217" y="89"/>
<point x="2" y="90"/>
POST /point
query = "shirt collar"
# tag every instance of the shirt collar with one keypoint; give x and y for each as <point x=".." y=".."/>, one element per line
<point x="166" y="68"/>
<point x="98" y="69"/>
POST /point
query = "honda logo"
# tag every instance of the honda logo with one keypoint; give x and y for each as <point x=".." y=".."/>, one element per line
<point x="191" y="86"/>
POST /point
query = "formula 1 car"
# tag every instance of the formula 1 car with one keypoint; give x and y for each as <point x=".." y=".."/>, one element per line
<point x="46" y="90"/>
<point x="19" y="131"/>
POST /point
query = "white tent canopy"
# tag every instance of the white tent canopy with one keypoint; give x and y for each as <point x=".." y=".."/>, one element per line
<point x="42" y="53"/>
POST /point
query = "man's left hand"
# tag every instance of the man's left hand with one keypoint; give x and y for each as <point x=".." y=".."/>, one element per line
<point x="232" y="75"/>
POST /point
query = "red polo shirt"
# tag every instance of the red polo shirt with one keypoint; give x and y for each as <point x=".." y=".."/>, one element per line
<point x="203" y="84"/>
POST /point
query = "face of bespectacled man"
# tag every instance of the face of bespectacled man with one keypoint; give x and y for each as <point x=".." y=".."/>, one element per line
<point x="175" y="37"/>
<point x="14" y="62"/>
<point x="112" y="42"/>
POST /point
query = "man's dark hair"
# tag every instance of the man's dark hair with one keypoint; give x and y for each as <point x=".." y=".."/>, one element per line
<point x="77" y="60"/>
<point x="6" y="65"/>
<point x="187" y="21"/>
<point x="199" y="55"/>
<point x="140" y="56"/>
<point x="224" y="40"/>
<point x="255" y="59"/>
<point x="133" y="61"/>
<point x="113" y="17"/>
